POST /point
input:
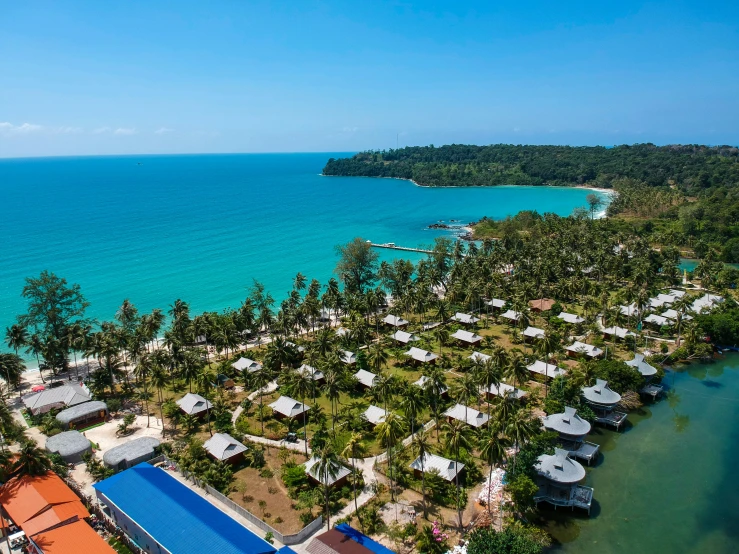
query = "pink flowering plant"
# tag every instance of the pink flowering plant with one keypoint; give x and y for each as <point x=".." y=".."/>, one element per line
<point x="439" y="535"/>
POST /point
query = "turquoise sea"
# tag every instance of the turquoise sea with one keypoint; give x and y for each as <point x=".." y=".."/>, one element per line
<point x="668" y="483"/>
<point x="201" y="228"/>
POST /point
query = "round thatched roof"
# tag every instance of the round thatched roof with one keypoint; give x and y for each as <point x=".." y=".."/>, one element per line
<point x="65" y="417"/>
<point x="69" y="444"/>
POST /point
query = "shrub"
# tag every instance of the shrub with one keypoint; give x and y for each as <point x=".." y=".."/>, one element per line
<point x="266" y="473"/>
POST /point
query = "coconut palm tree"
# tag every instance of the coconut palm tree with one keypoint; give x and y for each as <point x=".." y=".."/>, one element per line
<point x="159" y="379"/>
<point x="16" y="337"/>
<point x="421" y="446"/>
<point x="303" y="385"/>
<point x="412" y="402"/>
<point x="456" y="437"/>
<point x="31" y="460"/>
<point x="326" y="470"/>
<point x="353" y="450"/>
<point x="521" y="427"/>
<point x="492" y="449"/>
<point x="389" y="433"/>
<point x="517" y="369"/>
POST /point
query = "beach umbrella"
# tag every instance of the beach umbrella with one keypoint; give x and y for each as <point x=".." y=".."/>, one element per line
<point x="38" y="388"/>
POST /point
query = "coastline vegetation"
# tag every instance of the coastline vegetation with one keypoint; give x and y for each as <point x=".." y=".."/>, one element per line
<point x="588" y="267"/>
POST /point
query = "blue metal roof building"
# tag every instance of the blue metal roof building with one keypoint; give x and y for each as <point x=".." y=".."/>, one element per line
<point x="363" y="539"/>
<point x="164" y="516"/>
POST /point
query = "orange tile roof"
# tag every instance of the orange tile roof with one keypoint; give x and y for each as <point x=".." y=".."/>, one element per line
<point x="72" y="539"/>
<point x="36" y="503"/>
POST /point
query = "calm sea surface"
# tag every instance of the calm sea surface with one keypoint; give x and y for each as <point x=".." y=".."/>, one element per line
<point x="670" y="482"/>
<point x="201" y="228"/>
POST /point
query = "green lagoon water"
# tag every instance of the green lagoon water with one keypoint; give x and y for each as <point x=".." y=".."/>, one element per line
<point x="670" y="482"/>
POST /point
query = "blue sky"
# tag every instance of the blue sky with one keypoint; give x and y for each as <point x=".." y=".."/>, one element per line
<point x="250" y="76"/>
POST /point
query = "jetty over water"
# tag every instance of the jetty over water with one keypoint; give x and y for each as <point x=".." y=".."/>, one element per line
<point x="393" y="246"/>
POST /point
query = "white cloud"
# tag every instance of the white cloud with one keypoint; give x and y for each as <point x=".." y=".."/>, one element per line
<point x="124" y="131"/>
<point x="163" y="131"/>
<point x="100" y="130"/>
<point x="7" y="128"/>
<point x="66" y="130"/>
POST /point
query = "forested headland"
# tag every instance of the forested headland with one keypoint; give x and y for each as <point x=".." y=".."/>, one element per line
<point x="684" y="196"/>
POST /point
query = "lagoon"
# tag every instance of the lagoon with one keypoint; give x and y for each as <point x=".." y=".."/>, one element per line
<point x="669" y="483"/>
<point x="201" y="228"/>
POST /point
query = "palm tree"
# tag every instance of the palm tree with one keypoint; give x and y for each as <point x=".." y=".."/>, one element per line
<point x="353" y="450"/>
<point x="521" y="427"/>
<point x="421" y="446"/>
<point x="456" y="436"/>
<point x="412" y="401"/>
<point x="159" y="379"/>
<point x="16" y="337"/>
<point x="31" y="460"/>
<point x="492" y="449"/>
<point x="303" y="385"/>
<point x="388" y="433"/>
<point x="326" y="470"/>
<point x="441" y="334"/>
<point x="517" y="370"/>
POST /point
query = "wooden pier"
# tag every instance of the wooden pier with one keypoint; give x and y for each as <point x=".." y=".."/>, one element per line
<point x="392" y="246"/>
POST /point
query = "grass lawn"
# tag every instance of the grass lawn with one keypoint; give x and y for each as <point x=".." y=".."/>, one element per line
<point x="119" y="546"/>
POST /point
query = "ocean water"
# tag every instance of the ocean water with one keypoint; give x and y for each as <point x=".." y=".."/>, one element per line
<point x="669" y="482"/>
<point x="201" y="228"/>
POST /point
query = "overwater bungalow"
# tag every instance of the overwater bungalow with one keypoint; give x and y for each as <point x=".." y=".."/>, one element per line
<point x="404" y="337"/>
<point x="511" y="315"/>
<point x="648" y="372"/>
<point x="466" y="337"/>
<point x="559" y="478"/>
<point x="572" y="430"/>
<point x="467" y="415"/>
<point x="504" y="390"/>
<point x="547" y="370"/>
<point x="312" y="372"/>
<point x="572" y="319"/>
<point x="395" y="321"/>
<point x="288" y="408"/>
<point x="347" y="357"/>
<point x="374" y="415"/>
<point x="465" y="319"/>
<point x="421" y="356"/>
<point x="602" y="399"/>
<point x="366" y="378"/>
<point x="533" y="333"/>
<point x="246" y="364"/>
<point x="578" y="348"/>
<point x="421" y="382"/>
<point x="446" y="468"/>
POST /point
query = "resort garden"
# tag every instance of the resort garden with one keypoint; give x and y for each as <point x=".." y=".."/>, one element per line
<point x="437" y="373"/>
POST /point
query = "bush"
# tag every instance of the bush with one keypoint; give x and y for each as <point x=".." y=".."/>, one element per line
<point x="114" y="404"/>
<point x="294" y="476"/>
<point x="511" y="540"/>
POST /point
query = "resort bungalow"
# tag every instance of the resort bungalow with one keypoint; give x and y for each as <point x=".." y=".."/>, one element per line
<point x="310" y="371"/>
<point x="447" y="469"/>
<point x="420" y="356"/>
<point x="629" y="311"/>
<point x="347" y="357"/>
<point x="541" y="304"/>
<point x="547" y="370"/>
<point x="225" y="448"/>
<point x="657" y="320"/>
<point x="533" y="333"/>
<point x="706" y="303"/>
<point x="403" y="337"/>
<point x="224" y="382"/>
<point x="395" y="321"/>
<point x="661" y="300"/>
<point x="578" y="348"/>
<point x="648" y="372"/>
<point x="194" y="404"/>
<point x="465" y="319"/>
<point x="83" y="415"/>
<point x="572" y="319"/>
<point x="558" y="480"/>
<point x="672" y="314"/>
<point x="422" y="384"/>
<point x="161" y="514"/>
<point x="466" y="337"/>
<point x="496" y="303"/>
<point x="131" y="453"/>
<point x="504" y="390"/>
<point x="602" y="399"/>
<point x="374" y="415"/>
<point x="365" y="378"/>
<point x="245" y="364"/>
<point x="479" y="357"/>
<point x="511" y="315"/>
<point x="287" y="408"/>
<point x="70" y="445"/>
<point x="342" y="332"/>
<point x="55" y="399"/>
<point x="618" y="332"/>
<point x="572" y="430"/>
<point x="467" y="415"/>
<point x="336" y="477"/>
